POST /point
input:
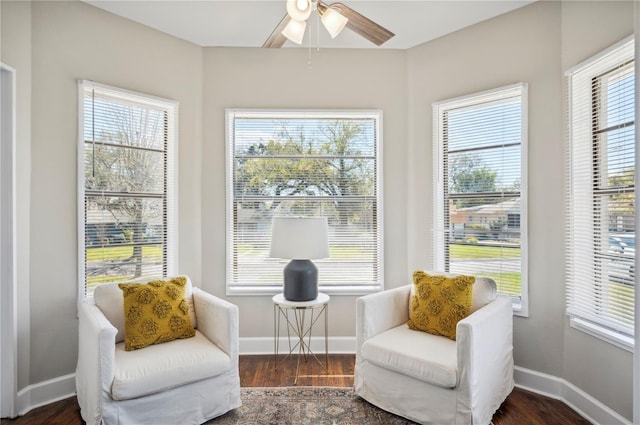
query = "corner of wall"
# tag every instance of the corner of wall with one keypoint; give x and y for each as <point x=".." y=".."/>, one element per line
<point x="15" y="51"/>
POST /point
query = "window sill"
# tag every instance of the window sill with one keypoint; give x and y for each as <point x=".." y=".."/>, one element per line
<point x="253" y="291"/>
<point x="615" y="338"/>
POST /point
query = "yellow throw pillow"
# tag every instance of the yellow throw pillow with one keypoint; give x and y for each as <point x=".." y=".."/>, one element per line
<point x="439" y="303"/>
<point x="155" y="312"/>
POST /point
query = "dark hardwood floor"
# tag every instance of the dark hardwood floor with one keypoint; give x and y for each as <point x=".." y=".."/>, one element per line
<point x="520" y="408"/>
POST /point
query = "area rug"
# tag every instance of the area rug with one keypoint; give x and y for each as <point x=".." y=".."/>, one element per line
<point x="305" y="405"/>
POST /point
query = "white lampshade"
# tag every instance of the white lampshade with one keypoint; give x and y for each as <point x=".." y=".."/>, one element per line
<point x="299" y="10"/>
<point x="294" y="30"/>
<point x="333" y="21"/>
<point x="299" y="238"/>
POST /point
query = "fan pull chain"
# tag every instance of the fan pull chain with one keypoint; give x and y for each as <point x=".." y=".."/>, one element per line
<point x="309" y="51"/>
<point x="317" y="15"/>
<point x="318" y="33"/>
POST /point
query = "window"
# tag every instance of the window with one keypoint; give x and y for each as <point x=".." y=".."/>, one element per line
<point x="480" y="200"/>
<point x="304" y="163"/>
<point x="600" y="194"/>
<point x="126" y="181"/>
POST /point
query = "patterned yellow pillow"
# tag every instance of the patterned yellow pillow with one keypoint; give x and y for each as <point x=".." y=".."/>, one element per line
<point x="439" y="303"/>
<point x="155" y="312"/>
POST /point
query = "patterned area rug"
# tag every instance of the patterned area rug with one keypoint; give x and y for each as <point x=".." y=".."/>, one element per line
<point x="305" y="405"/>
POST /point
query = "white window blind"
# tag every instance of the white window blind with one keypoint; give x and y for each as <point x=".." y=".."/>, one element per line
<point x="304" y="163"/>
<point x="126" y="179"/>
<point x="600" y="194"/>
<point x="480" y="205"/>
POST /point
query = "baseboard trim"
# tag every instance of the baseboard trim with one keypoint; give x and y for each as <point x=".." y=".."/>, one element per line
<point x="560" y="389"/>
<point x="45" y="392"/>
<point x="261" y="345"/>
<point x="52" y="390"/>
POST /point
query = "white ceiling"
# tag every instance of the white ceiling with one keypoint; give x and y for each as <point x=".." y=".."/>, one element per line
<point x="244" y="23"/>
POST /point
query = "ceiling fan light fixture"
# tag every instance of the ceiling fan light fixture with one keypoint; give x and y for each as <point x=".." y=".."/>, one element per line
<point x="341" y="15"/>
<point x="299" y="10"/>
<point x="294" y="31"/>
<point x="333" y="21"/>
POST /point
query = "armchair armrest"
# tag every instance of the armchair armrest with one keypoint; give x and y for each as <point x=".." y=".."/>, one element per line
<point x="95" y="367"/>
<point x="376" y="313"/>
<point x="218" y="320"/>
<point x="485" y="357"/>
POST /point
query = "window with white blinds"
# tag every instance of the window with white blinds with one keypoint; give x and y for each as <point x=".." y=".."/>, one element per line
<point x="304" y="163"/>
<point x="126" y="186"/>
<point x="600" y="194"/>
<point x="480" y="145"/>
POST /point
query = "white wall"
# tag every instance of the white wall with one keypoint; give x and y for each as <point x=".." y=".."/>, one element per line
<point x="15" y="50"/>
<point x="71" y="41"/>
<point x="267" y="78"/>
<point x="52" y="44"/>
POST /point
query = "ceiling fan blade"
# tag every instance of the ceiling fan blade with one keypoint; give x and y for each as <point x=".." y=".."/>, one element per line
<point x="364" y="26"/>
<point x="276" y="39"/>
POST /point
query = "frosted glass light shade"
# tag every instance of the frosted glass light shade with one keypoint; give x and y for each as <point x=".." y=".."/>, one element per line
<point x="333" y="21"/>
<point x="299" y="10"/>
<point x="294" y="31"/>
<point x="299" y="238"/>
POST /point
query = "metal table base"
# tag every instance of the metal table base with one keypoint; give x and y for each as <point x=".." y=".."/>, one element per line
<point x="300" y="318"/>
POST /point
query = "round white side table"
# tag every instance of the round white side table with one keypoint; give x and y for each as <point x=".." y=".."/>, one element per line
<point x="299" y="327"/>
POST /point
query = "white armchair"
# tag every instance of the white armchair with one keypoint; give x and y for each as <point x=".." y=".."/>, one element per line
<point x="432" y="379"/>
<point x="185" y="381"/>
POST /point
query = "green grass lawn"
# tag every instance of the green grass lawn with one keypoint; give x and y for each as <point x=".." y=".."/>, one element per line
<point x="119" y="253"/>
<point x="115" y="254"/>
<point x="507" y="282"/>
<point x="94" y="281"/>
<point x="479" y="251"/>
<point x="341" y="252"/>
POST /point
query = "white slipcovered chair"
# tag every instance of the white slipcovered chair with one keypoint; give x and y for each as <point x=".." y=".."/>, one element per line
<point x="432" y="379"/>
<point x="185" y="381"/>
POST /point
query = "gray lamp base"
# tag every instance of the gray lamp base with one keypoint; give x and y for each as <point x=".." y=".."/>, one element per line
<point x="300" y="281"/>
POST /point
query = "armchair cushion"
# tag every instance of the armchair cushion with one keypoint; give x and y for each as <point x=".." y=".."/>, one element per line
<point x="439" y="303"/>
<point x="429" y="358"/>
<point x="110" y="301"/>
<point x="164" y="366"/>
<point x="155" y="312"/>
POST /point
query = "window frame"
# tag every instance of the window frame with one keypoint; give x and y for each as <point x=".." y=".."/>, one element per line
<point x="520" y="306"/>
<point x="230" y="113"/>
<point x="580" y="79"/>
<point x="170" y="245"/>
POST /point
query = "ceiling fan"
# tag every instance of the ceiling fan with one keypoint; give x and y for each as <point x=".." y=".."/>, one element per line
<point x="334" y="17"/>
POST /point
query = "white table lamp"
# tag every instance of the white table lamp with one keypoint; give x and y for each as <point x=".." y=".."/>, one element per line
<point x="300" y="239"/>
